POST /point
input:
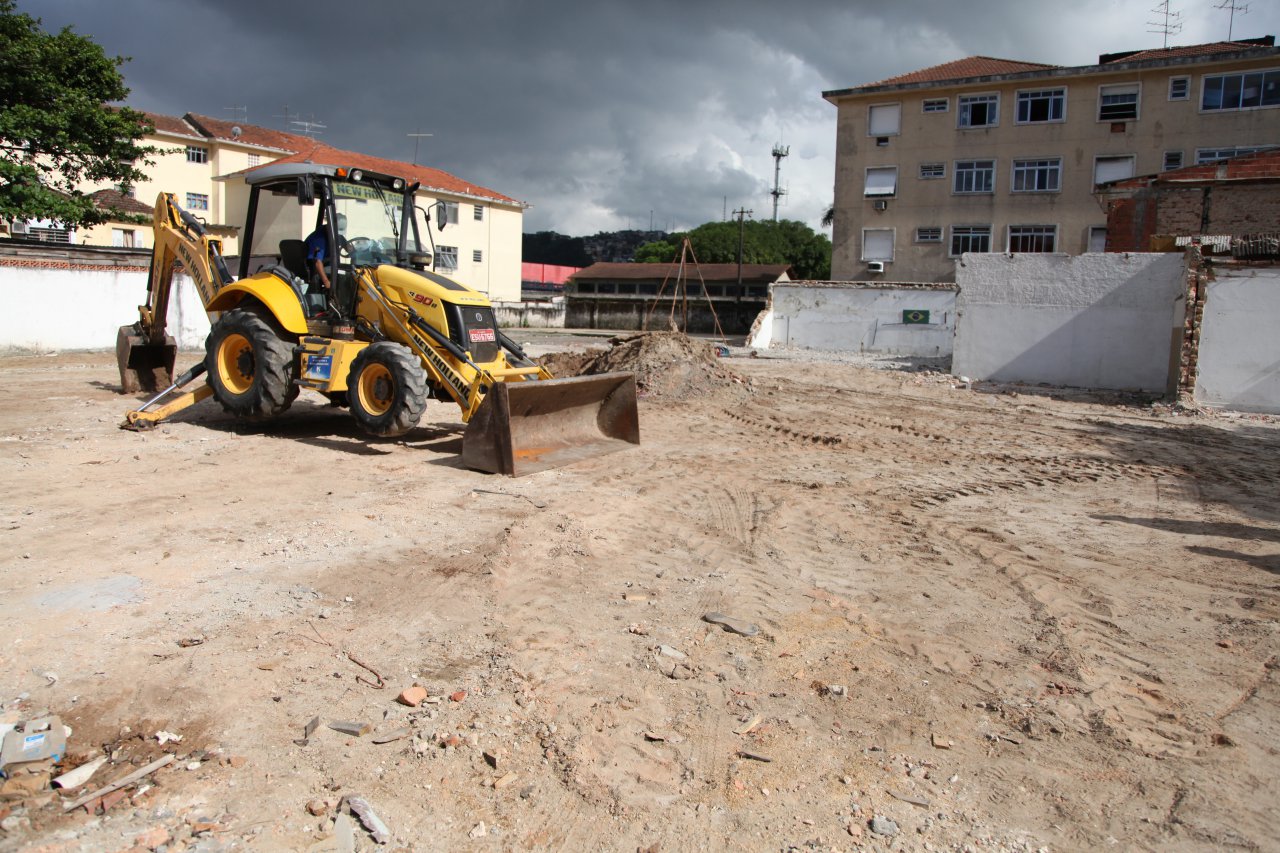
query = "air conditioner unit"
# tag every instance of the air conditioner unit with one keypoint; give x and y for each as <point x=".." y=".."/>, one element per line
<point x="18" y="226"/>
<point x="880" y="204"/>
<point x="875" y="266"/>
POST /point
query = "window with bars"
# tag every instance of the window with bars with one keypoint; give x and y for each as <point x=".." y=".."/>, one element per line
<point x="478" y="213"/>
<point x="929" y="171"/>
<point x="974" y="176"/>
<point x="936" y="105"/>
<point x="978" y="110"/>
<point x="929" y="234"/>
<point x="970" y="238"/>
<point x="446" y="257"/>
<point x="1033" y="238"/>
<point x="1043" y="105"/>
<point x="1172" y="160"/>
<point x="477" y="256"/>
<point x="1037" y="176"/>
<point x="1243" y="91"/>
<point x="255" y="160"/>
<point x="1179" y="88"/>
<point x="197" y="154"/>
<point x="1118" y="103"/>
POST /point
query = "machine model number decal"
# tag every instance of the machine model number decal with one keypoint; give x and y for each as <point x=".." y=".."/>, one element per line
<point x="319" y="366"/>
<point x="419" y="298"/>
<point x="481" y="335"/>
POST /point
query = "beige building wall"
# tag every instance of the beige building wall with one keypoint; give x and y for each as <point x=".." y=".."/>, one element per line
<point x="495" y="233"/>
<point x="1163" y="126"/>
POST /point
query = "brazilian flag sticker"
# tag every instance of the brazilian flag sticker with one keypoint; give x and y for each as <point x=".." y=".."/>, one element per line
<point x="915" y="317"/>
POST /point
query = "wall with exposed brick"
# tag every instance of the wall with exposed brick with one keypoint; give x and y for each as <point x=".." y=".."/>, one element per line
<point x="1238" y="364"/>
<point x="1092" y="321"/>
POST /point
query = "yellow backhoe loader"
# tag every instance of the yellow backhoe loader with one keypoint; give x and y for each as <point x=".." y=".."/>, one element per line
<point x="384" y="335"/>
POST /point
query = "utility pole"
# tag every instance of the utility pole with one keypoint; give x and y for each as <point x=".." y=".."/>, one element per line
<point x="1242" y="8"/>
<point x="417" y="137"/>
<point x="779" y="151"/>
<point x="740" y="213"/>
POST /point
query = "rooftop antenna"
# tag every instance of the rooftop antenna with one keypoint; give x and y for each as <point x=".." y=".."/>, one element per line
<point x="417" y="137"/>
<point x="241" y="113"/>
<point x="1168" y="22"/>
<point x="310" y="127"/>
<point x="1233" y="6"/>
<point x="779" y="151"/>
<point x="288" y="120"/>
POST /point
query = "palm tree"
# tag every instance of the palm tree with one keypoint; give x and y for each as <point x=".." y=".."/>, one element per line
<point x="829" y="217"/>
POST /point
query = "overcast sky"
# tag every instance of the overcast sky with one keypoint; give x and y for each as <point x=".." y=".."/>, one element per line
<point x="599" y="114"/>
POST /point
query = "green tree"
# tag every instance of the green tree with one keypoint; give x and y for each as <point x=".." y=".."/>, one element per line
<point x="783" y="242"/>
<point x="58" y="131"/>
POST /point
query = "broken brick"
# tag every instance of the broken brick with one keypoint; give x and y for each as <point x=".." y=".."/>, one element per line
<point x="412" y="696"/>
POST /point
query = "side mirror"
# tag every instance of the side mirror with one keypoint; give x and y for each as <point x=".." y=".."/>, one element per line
<point x="441" y="218"/>
<point x="306" y="192"/>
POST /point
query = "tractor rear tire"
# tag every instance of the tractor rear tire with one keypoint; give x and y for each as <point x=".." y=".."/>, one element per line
<point x="387" y="389"/>
<point x="250" y="364"/>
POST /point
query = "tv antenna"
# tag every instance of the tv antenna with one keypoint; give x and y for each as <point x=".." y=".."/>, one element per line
<point x="310" y="127"/>
<point x="1233" y="6"/>
<point x="1169" y="22"/>
<point x="241" y="113"/>
<point x="779" y="151"/>
<point x="418" y="136"/>
<point x="288" y="120"/>
<point x="680" y="292"/>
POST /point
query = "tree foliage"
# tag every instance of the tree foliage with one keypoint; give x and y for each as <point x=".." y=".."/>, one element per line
<point x="782" y="242"/>
<point x="58" y="131"/>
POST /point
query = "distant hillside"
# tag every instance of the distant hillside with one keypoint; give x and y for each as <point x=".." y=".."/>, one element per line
<point x="549" y="247"/>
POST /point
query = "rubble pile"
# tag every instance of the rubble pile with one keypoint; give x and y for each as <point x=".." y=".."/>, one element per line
<point x="667" y="365"/>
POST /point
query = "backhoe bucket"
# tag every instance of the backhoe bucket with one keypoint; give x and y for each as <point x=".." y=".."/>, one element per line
<point x="523" y="427"/>
<point x="144" y="366"/>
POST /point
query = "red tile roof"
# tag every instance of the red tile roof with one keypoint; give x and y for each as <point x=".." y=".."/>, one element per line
<point x="1178" y="52"/>
<point x="1258" y="166"/>
<point x="250" y="134"/>
<point x="170" y="124"/>
<point x="710" y="272"/>
<point x="115" y="200"/>
<point x="431" y="179"/>
<point x="971" y="66"/>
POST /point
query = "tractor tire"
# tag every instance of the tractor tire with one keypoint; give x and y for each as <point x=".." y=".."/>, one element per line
<point x="250" y="364"/>
<point x="387" y="389"/>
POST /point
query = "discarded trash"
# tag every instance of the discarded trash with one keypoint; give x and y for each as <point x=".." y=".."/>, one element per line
<point x="377" y="829"/>
<point x="135" y="776"/>
<point x="391" y="736"/>
<point x="754" y="756"/>
<point x="749" y="726"/>
<point x="351" y="727"/>
<point x="732" y="625"/>
<point x="34" y="740"/>
<point x="190" y="641"/>
<point x="73" y="779"/>
<point x="308" y="731"/>
<point x="537" y="503"/>
<point x="167" y="737"/>
<point x="668" y="651"/>
<point x="412" y="696"/>
<point x="663" y="737"/>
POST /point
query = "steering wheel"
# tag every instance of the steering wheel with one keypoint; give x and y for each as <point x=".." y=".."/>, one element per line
<point x="365" y="248"/>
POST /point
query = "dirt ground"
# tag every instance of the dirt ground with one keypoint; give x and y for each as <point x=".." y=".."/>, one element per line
<point x="988" y="619"/>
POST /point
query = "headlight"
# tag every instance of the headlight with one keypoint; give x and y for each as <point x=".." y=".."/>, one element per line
<point x="356" y="175"/>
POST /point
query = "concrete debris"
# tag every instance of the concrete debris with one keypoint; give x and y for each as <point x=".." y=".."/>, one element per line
<point x="168" y="737"/>
<point x="478" y="831"/>
<point x="940" y="742"/>
<point x="505" y="780"/>
<point x="883" y="826"/>
<point x="317" y="807"/>
<point x="412" y="696"/>
<point x="749" y="726"/>
<point x="377" y="829"/>
<point x="671" y="652"/>
<point x="351" y="727"/>
<point x="308" y="731"/>
<point x="344" y="834"/>
<point x="732" y="625"/>
<point x="393" y="735"/>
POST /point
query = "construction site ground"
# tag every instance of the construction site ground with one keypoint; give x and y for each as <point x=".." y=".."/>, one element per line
<point x="988" y="618"/>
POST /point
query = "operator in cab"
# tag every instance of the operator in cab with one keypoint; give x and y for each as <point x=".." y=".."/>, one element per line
<point x="319" y="251"/>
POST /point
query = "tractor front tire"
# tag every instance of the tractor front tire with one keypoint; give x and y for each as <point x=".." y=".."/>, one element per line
<point x="387" y="389"/>
<point x="250" y="364"/>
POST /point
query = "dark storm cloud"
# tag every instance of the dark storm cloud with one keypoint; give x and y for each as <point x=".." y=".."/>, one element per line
<point x="597" y="114"/>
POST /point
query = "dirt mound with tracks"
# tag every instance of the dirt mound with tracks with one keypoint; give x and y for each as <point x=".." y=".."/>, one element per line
<point x="667" y="365"/>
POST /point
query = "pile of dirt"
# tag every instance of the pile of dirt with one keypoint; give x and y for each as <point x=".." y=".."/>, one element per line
<point x="667" y="365"/>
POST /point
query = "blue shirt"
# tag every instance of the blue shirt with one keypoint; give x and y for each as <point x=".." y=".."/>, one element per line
<point x="318" y="246"/>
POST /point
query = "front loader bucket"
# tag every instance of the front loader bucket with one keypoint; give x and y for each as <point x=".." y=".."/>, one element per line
<point x="144" y="366"/>
<point x="523" y="427"/>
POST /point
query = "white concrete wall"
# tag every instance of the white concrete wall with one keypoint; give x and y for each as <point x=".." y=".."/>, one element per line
<point x="860" y="318"/>
<point x="1089" y="321"/>
<point x="531" y="315"/>
<point x="52" y="309"/>
<point x="1239" y="361"/>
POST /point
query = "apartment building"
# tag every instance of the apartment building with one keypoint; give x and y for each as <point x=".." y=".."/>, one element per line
<point x="997" y="155"/>
<point x="201" y="162"/>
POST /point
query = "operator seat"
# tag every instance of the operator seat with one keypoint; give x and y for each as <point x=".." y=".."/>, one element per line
<point x="293" y="256"/>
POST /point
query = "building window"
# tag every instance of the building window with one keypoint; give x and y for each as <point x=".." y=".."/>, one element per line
<point x="1117" y="103"/>
<point x="884" y="120"/>
<point x="933" y="170"/>
<point x="1113" y="168"/>
<point x="970" y="238"/>
<point x="877" y="244"/>
<point x="585" y="287"/>
<point x="929" y="235"/>
<point x="1037" y="176"/>
<point x="197" y="201"/>
<point x="1179" y="88"/>
<point x="975" y="176"/>
<point x="446" y="257"/>
<point x="448" y="215"/>
<point x="1097" y="238"/>
<point x="124" y="238"/>
<point x="1210" y="155"/>
<point x="255" y="160"/>
<point x="197" y="154"/>
<point x="477" y="256"/>
<point x="1172" y="160"/>
<point x="1244" y="91"/>
<point x="1041" y="106"/>
<point x="1033" y="238"/>
<point x="478" y="213"/>
<point x="978" y="110"/>
<point x="937" y="105"/>
<point x="882" y="181"/>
